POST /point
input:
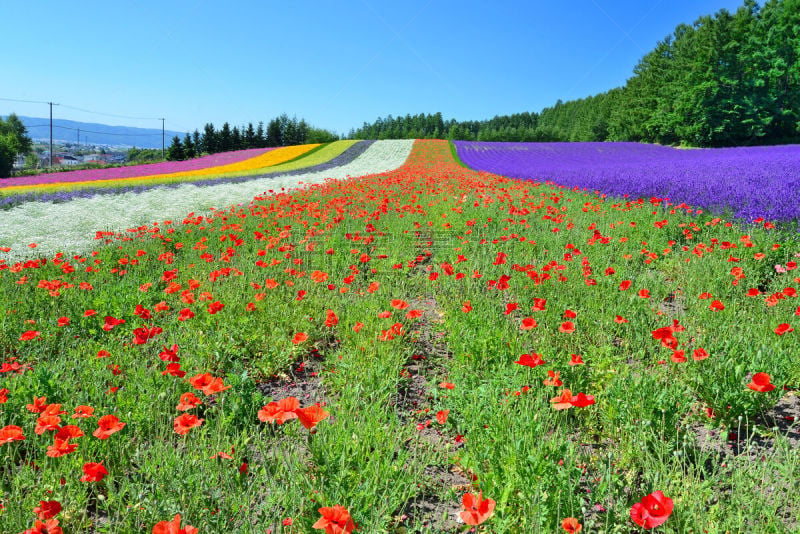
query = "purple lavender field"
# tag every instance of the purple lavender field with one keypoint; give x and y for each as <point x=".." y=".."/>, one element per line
<point x="134" y="171"/>
<point x="750" y="182"/>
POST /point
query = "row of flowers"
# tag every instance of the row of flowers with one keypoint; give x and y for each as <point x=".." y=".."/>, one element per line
<point x="73" y="225"/>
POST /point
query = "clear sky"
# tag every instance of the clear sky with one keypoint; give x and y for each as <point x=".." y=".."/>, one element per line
<point x="336" y="63"/>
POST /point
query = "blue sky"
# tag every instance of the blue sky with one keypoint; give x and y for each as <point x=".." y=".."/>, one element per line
<point x="335" y="63"/>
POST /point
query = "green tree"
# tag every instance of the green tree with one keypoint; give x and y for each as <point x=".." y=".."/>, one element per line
<point x="188" y="147"/>
<point x="198" y="147"/>
<point x="210" y="139"/>
<point x="225" y="138"/>
<point x="261" y="136"/>
<point x="175" y="150"/>
<point x="274" y="133"/>
<point x="250" y="136"/>
<point x="13" y="140"/>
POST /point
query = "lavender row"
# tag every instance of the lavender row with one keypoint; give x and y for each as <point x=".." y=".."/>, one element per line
<point x="750" y="182"/>
<point x="65" y="196"/>
<point x="133" y="171"/>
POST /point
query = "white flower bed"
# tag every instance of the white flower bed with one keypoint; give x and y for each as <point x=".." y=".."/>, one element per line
<point x="70" y="227"/>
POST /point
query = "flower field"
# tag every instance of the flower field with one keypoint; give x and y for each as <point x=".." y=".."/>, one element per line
<point x="401" y="344"/>
<point x="749" y="182"/>
<point x="65" y="181"/>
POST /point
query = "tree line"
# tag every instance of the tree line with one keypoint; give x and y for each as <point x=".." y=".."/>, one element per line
<point x="280" y="131"/>
<point x="727" y="79"/>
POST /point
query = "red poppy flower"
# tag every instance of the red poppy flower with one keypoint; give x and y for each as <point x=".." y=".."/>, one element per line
<point x="280" y="411"/>
<point x="716" y="306"/>
<point x="575" y="359"/>
<point x="644" y="293"/>
<point x="538" y="304"/>
<point x="63" y="321"/>
<point x="529" y="360"/>
<point x="214" y="386"/>
<point x="188" y="401"/>
<point x="11" y="433"/>
<point x="399" y="304"/>
<point x="569" y="314"/>
<point x="39" y="405"/>
<point x="476" y="508"/>
<point x="108" y="425"/>
<point x="581" y="400"/>
<point x="528" y="323"/>
<point x="554" y="380"/>
<point x="185" y="314"/>
<point x="625" y="285"/>
<point x="185" y="422"/>
<point x="331" y="319"/>
<point x="47" y="423"/>
<point x="174" y="369"/>
<point x="50" y="526"/>
<point x="335" y="520"/>
<point x="664" y="334"/>
<point x="413" y="314"/>
<point x="29" y="335"/>
<point x="4" y="395"/>
<point x="312" y="415"/>
<point x="89" y="313"/>
<point x="61" y="447"/>
<point x="652" y="511"/>
<point x="446" y="385"/>
<point x="214" y="307"/>
<point x="384" y="314"/>
<point x="93" y="472"/>
<point x="567" y="327"/>
<point x="69" y="432"/>
<point x="299" y="338"/>
<point x="563" y="401"/>
<point x="441" y="416"/>
<point x="510" y="307"/>
<point x="620" y="319"/>
<point x="678" y="356"/>
<point x="466" y="307"/>
<point x="783" y="328"/>
<point x="169" y="354"/>
<point x="699" y="354"/>
<point x="142" y="334"/>
<point x="173" y="527"/>
<point x="761" y="383"/>
<point x="47" y="509"/>
<point x="357" y="327"/>
<point x="571" y="525"/>
<point x="111" y="322"/>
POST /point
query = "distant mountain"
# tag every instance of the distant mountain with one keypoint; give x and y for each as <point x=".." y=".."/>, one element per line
<point x="66" y="131"/>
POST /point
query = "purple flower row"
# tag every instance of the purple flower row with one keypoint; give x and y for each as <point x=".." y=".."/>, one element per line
<point x="65" y="196"/>
<point x="750" y="182"/>
<point x="133" y="171"/>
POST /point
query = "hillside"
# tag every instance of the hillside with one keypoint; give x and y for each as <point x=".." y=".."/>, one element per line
<point x="97" y="134"/>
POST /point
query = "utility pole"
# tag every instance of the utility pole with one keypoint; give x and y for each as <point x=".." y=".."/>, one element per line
<point x="162" y="139"/>
<point x="51" y="134"/>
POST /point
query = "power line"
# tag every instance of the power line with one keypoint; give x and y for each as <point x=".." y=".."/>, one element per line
<point x="93" y="132"/>
<point x="25" y="101"/>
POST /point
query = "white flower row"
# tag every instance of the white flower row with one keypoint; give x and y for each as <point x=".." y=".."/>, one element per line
<point x="70" y="227"/>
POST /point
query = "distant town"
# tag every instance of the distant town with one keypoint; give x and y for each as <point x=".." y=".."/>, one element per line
<point x="71" y="155"/>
